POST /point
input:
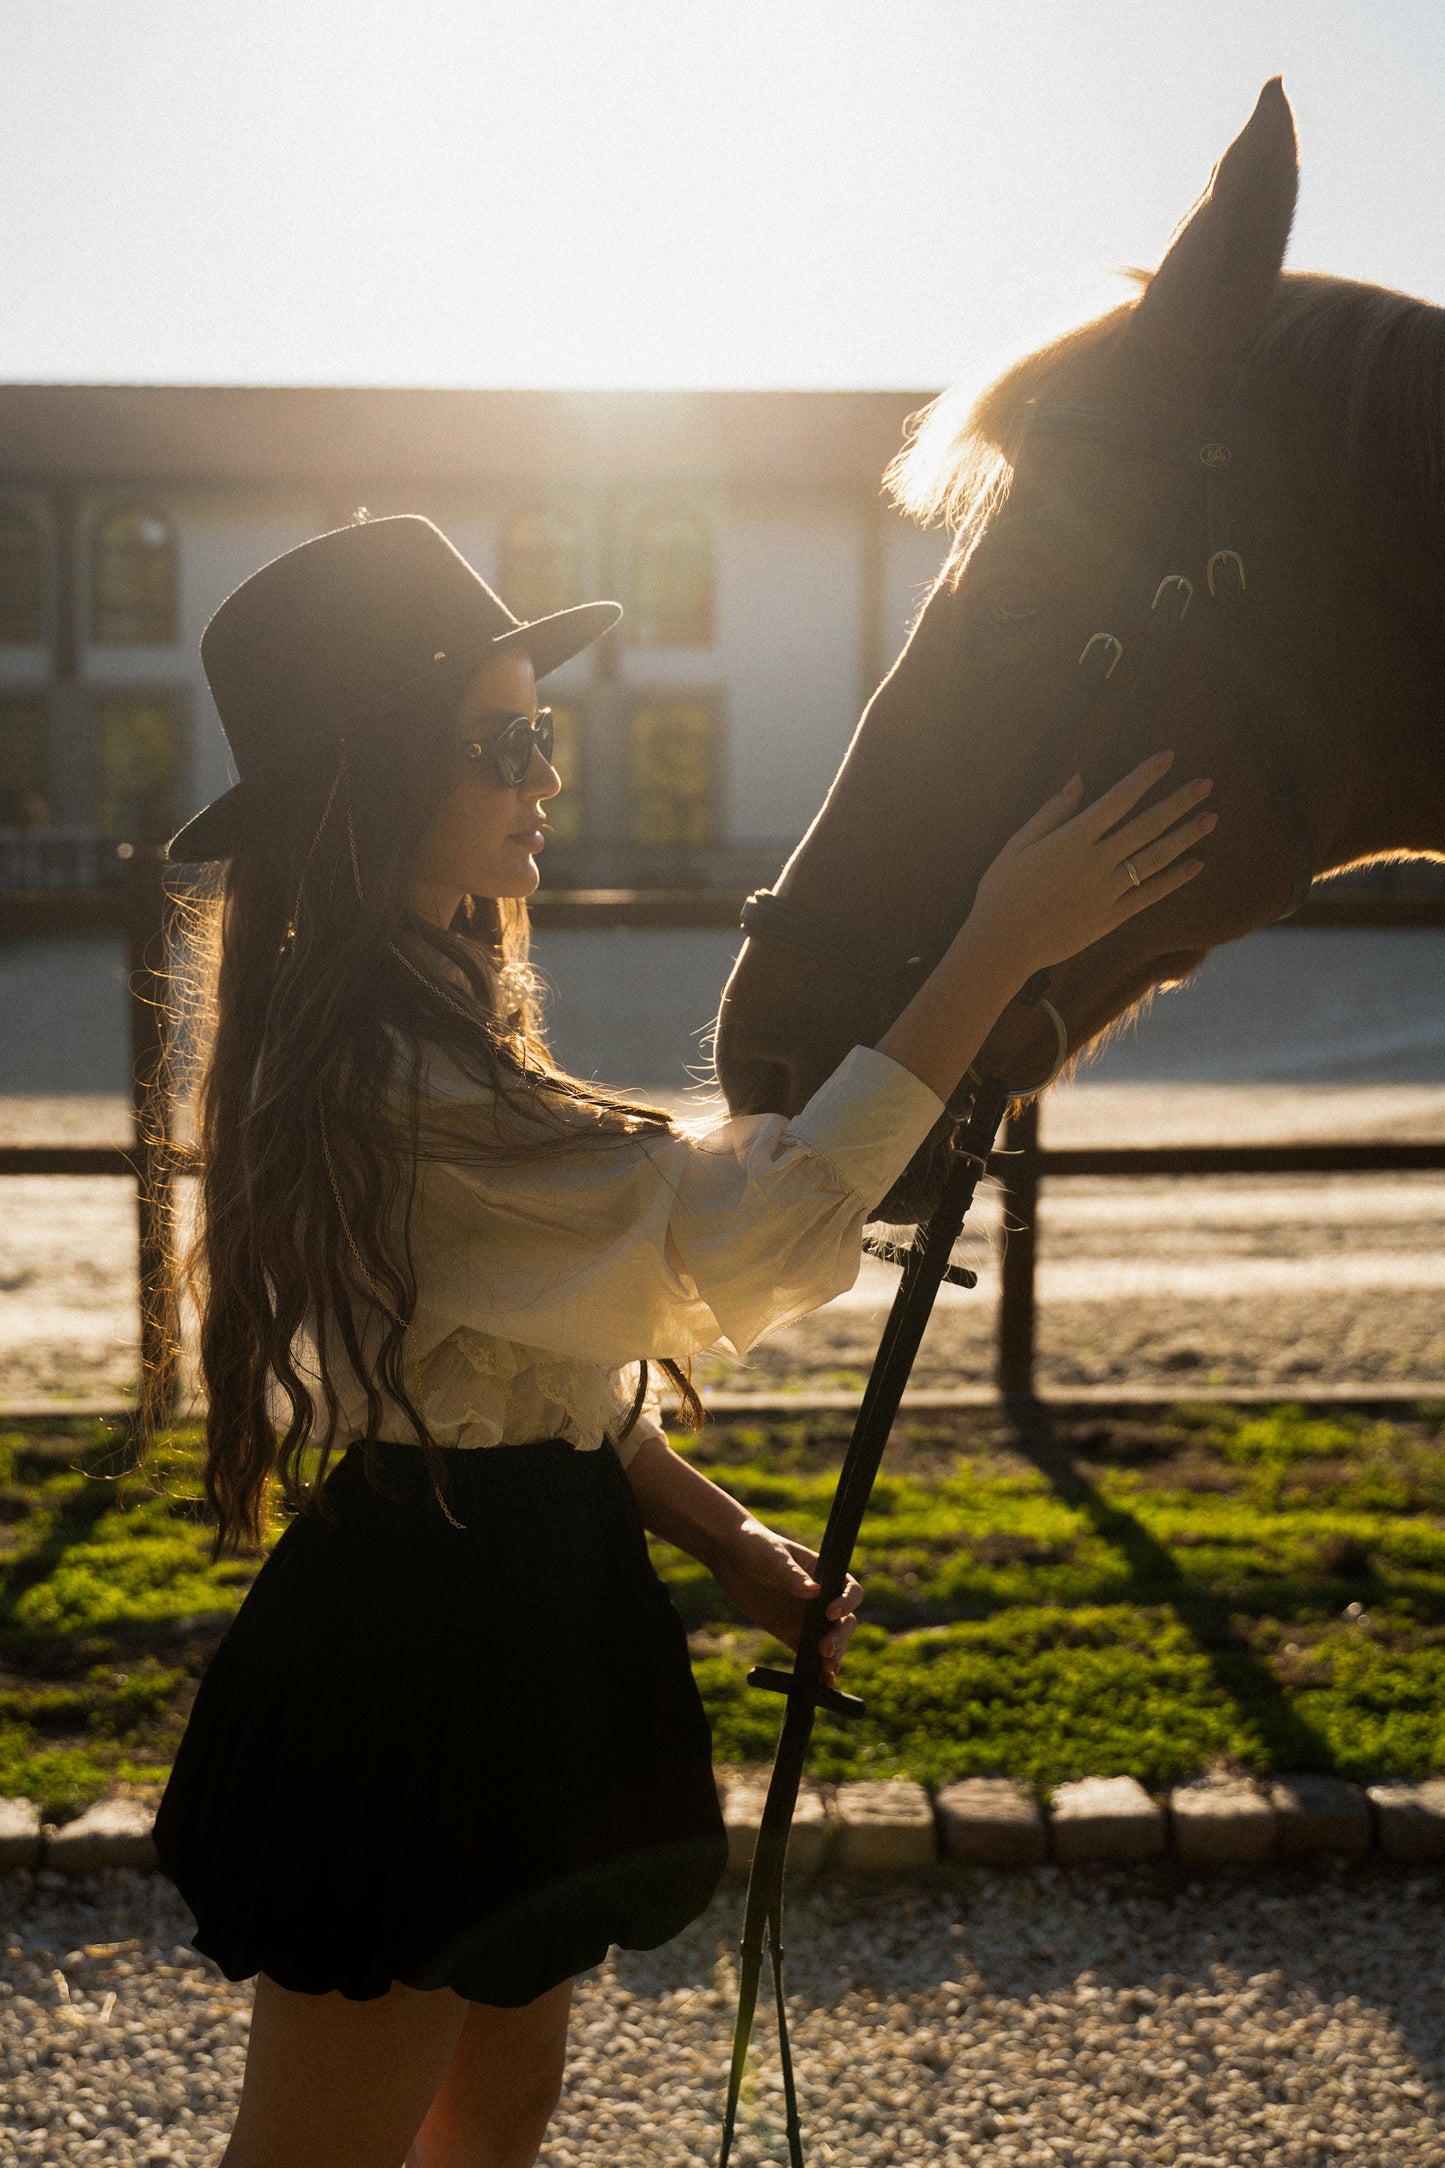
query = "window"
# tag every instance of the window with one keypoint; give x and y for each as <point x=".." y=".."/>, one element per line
<point x="23" y="780"/>
<point x="543" y="566"/>
<point x="136" y="759"/>
<point x="670" y="772"/>
<point x="22" y="578"/>
<point x="564" y="812"/>
<point x="132" y="581"/>
<point x="672" y="582"/>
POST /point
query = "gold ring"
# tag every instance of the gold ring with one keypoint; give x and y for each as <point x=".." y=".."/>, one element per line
<point x="1133" y="872"/>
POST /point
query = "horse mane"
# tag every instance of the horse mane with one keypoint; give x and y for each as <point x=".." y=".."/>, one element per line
<point x="1357" y="371"/>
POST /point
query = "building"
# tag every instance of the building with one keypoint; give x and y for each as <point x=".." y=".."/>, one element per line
<point x="768" y="587"/>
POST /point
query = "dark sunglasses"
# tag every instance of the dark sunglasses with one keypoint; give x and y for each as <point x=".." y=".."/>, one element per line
<point x="510" y="751"/>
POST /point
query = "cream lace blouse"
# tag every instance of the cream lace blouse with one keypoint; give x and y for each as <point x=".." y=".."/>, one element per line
<point x="543" y="1281"/>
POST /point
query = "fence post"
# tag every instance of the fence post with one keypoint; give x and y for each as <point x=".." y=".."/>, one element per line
<point x="1020" y="1177"/>
<point x="147" y="925"/>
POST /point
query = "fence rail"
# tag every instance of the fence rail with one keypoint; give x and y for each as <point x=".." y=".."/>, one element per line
<point x="139" y="906"/>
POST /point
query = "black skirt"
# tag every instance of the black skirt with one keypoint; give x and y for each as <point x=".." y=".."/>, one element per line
<point x="469" y="1758"/>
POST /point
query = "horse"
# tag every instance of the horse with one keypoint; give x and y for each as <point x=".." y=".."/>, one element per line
<point x="1212" y="519"/>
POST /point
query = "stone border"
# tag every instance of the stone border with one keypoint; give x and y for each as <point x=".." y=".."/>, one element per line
<point x="889" y="1826"/>
<point x="882" y="1827"/>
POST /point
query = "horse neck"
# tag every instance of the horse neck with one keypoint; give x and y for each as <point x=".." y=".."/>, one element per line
<point x="1363" y="561"/>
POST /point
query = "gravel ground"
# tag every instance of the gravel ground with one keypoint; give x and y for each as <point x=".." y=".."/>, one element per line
<point x="1290" y="1344"/>
<point x="1099" y="2020"/>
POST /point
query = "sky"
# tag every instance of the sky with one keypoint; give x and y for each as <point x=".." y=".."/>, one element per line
<point x="815" y="193"/>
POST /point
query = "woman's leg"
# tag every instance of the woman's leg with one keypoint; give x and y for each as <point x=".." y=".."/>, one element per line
<point x="503" y="2081"/>
<point x="332" y="2083"/>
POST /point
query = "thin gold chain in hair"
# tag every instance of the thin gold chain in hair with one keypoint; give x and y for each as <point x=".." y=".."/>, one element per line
<point x="289" y="937"/>
<point x="431" y="985"/>
<point x="364" y="1268"/>
<point x="344" y="773"/>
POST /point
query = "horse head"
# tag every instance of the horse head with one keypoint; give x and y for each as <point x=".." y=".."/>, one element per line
<point x="1075" y="490"/>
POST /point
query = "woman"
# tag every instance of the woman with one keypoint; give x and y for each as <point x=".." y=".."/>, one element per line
<point x="450" y="1748"/>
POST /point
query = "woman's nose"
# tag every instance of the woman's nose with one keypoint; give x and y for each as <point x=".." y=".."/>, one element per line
<point x="548" y="782"/>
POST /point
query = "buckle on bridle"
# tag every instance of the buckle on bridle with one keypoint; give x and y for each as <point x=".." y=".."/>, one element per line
<point x="1107" y="644"/>
<point x="1176" y="588"/>
<point x="1225" y="557"/>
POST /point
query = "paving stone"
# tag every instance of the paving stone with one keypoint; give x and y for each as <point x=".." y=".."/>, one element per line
<point x="19" y="1833"/>
<point x="1410" y="1818"/>
<point x="1105" y="1818"/>
<point x="993" y="1821"/>
<point x="1320" y="1814"/>
<point x="1225" y="1823"/>
<point x="113" y="1833"/>
<point x="883" y="1826"/>
<point x="742" y="1795"/>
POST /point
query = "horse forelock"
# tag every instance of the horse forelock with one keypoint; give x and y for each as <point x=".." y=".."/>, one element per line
<point x="1359" y="368"/>
<point x="957" y="463"/>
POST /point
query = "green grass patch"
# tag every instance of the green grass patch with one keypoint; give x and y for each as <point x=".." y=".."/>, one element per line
<point x="104" y="1581"/>
<point x="1263" y="1588"/>
<point x="1041" y="1693"/>
<point x="1124" y="1598"/>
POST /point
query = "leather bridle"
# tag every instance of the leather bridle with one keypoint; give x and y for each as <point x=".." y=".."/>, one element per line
<point x="1202" y="453"/>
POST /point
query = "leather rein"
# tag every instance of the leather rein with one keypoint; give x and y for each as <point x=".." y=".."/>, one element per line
<point x="977" y="1108"/>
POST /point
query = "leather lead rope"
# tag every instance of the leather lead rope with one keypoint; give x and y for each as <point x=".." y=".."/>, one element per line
<point x="925" y="1267"/>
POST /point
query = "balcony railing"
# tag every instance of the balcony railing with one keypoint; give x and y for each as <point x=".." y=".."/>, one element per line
<point x="41" y="860"/>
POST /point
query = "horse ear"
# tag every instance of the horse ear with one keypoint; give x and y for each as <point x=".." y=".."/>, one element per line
<point x="1216" y="282"/>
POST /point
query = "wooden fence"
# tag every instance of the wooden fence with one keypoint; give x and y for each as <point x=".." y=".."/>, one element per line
<point x="138" y="906"/>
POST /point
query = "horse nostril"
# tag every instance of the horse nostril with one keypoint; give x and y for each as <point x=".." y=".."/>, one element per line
<point x="773" y="1093"/>
<point x="761" y="1087"/>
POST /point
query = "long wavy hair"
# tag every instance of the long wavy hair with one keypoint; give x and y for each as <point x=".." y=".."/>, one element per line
<point x="307" y="1001"/>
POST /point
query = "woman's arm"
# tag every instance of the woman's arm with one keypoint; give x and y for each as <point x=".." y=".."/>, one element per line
<point x="666" y="1244"/>
<point x="766" y="1575"/>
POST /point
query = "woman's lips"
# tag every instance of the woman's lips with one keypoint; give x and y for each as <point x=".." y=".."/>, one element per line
<point x="531" y="839"/>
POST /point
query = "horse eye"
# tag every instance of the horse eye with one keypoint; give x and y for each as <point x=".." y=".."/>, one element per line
<point x="1009" y="610"/>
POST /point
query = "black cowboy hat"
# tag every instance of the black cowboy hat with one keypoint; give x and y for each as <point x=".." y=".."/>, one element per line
<point x="322" y="640"/>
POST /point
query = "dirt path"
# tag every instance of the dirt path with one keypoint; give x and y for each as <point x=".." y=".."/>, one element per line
<point x="1310" y="1280"/>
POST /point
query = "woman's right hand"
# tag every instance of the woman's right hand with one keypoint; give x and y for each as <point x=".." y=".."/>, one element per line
<point x="1062" y="882"/>
<point x="1056" y="886"/>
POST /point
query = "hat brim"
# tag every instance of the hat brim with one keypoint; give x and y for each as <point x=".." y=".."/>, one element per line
<point x="547" y="642"/>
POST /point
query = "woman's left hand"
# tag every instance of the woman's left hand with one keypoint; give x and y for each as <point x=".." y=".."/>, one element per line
<point x="770" y="1579"/>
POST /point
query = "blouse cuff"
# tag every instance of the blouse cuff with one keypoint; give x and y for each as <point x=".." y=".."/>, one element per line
<point x="867" y="1121"/>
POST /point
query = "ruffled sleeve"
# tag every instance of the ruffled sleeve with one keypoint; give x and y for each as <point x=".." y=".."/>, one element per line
<point x="662" y="1245"/>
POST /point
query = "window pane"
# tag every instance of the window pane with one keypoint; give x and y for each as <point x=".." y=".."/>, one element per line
<point x="670" y="766"/>
<point x="135" y="770"/>
<point x="542" y="565"/>
<point x="672" y="582"/>
<point x="22" y="587"/>
<point x="22" y="764"/>
<point x="133" y="581"/>
<point x="564" y="812"/>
